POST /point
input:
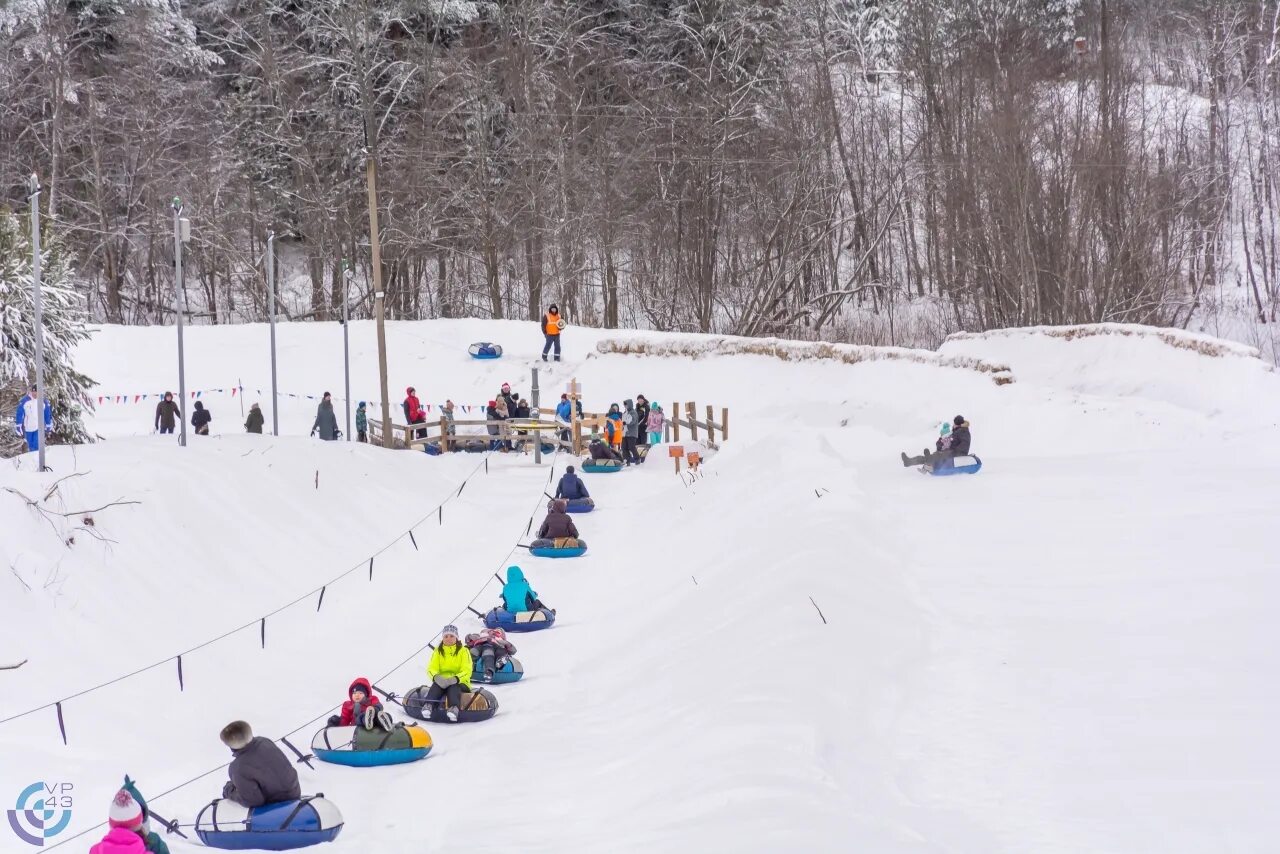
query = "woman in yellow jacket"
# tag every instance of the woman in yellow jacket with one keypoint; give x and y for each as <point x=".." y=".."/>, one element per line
<point x="450" y="671"/>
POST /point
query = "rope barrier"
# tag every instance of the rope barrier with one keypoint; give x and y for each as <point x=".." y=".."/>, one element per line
<point x="327" y="712"/>
<point x="256" y="621"/>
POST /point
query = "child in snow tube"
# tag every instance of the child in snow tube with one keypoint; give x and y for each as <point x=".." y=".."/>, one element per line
<point x="953" y="442"/>
<point x="362" y="708"/>
<point x="260" y="773"/>
<point x="490" y="651"/>
<point x="450" y="671"/>
<point x="517" y="595"/>
<point x="559" y="524"/>
<point x="130" y="831"/>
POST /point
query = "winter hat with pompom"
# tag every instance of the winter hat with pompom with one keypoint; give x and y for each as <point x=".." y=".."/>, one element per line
<point x="125" y="811"/>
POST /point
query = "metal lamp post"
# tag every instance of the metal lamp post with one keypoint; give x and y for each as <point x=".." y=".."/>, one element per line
<point x="181" y="234"/>
<point x="271" y="314"/>
<point x="34" y="187"/>
<point x="347" y="273"/>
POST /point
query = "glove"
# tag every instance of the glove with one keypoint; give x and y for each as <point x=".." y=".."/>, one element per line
<point x="228" y="789"/>
<point x="334" y="720"/>
<point x="446" y="681"/>
<point x="313" y="431"/>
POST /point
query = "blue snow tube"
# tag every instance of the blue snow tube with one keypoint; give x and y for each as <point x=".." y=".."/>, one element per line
<point x="959" y="465"/>
<point x="601" y="466"/>
<point x="511" y="671"/>
<point x="485" y="350"/>
<point x="357" y="747"/>
<point x="547" y="548"/>
<point x="272" y="827"/>
<point x="520" y="621"/>
<point x="581" y="505"/>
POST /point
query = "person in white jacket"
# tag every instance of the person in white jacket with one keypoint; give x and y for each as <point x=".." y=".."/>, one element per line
<point x="27" y="418"/>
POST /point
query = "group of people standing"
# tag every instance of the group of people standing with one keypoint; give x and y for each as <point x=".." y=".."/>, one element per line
<point x="628" y="431"/>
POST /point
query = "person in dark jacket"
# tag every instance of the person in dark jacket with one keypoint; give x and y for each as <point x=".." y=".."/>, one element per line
<point x="558" y="523"/>
<point x="362" y="423"/>
<point x="629" y="422"/>
<point x="600" y="451"/>
<point x="571" y="486"/>
<point x="494" y="430"/>
<point x="200" y="419"/>
<point x="642" y="422"/>
<point x="167" y="413"/>
<point x="260" y="773"/>
<point x="326" y="421"/>
<point x="942" y="456"/>
<point x="511" y="399"/>
<point x="254" y="422"/>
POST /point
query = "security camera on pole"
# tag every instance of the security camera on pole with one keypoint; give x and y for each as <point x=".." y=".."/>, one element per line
<point x="33" y="186"/>
<point x="181" y="235"/>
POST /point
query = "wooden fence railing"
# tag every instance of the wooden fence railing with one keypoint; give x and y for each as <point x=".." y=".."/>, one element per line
<point x="457" y="434"/>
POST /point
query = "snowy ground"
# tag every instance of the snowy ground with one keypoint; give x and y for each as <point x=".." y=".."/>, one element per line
<point x="1072" y="651"/>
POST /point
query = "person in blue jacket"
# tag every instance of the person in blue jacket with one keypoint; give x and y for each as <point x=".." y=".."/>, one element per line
<point x="564" y="415"/>
<point x="517" y="595"/>
<point x="571" y="486"/>
<point x="27" y="419"/>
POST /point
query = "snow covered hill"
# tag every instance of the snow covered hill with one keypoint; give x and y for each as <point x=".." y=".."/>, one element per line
<point x="807" y="647"/>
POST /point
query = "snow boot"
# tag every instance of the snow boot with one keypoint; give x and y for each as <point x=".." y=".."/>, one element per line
<point x="452" y="714"/>
<point x="369" y="718"/>
<point x="488" y="674"/>
<point x="906" y="461"/>
<point x="384" y="721"/>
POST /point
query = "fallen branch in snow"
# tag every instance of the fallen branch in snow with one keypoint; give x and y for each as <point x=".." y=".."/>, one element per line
<point x="819" y="610"/>
<point x="119" y="502"/>
<point x="13" y="666"/>
<point x="59" y="481"/>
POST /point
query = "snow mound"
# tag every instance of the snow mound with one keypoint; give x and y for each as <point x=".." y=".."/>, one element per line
<point x="696" y="347"/>
<point x="1191" y="371"/>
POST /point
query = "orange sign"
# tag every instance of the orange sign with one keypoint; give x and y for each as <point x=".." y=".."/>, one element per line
<point x="675" y="450"/>
<point x="694" y="458"/>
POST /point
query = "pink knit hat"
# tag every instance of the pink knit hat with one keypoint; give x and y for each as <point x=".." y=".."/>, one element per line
<point x="125" y="811"/>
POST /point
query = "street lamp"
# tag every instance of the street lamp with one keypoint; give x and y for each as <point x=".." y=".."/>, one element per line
<point x="347" y="274"/>
<point x="271" y="313"/>
<point x="33" y="185"/>
<point x="181" y="235"/>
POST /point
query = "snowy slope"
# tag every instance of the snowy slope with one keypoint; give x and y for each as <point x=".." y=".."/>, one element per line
<point x="1069" y="652"/>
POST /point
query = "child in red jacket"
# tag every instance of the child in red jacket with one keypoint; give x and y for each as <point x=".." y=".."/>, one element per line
<point x="362" y="708"/>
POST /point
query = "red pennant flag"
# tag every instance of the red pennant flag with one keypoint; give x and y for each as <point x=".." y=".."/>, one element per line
<point x="137" y="397"/>
<point x="99" y="400"/>
<point x="233" y="392"/>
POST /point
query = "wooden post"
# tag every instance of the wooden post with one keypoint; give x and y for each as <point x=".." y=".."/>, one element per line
<point x="711" y="427"/>
<point x="692" y="409"/>
<point x="577" y="435"/>
<point x="674" y="420"/>
<point x="724" y="424"/>
<point x="444" y="435"/>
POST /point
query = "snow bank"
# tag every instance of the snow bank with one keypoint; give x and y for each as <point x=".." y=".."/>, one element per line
<point x="792" y="351"/>
<point x="1188" y="370"/>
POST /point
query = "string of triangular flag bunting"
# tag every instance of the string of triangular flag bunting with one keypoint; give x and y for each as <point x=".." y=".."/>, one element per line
<point x="197" y="394"/>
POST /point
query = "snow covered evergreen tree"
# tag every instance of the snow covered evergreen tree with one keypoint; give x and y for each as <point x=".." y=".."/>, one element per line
<point x="64" y="315"/>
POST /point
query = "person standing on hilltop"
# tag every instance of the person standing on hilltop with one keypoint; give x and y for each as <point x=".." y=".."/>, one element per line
<point x="167" y="413"/>
<point x="326" y="423"/>
<point x="552" y="324"/>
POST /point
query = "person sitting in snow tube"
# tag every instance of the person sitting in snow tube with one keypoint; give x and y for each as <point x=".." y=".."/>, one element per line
<point x="571" y="486"/>
<point x="947" y="448"/>
<point x="363" y="708"/>
<point x="260" y="773"/>
<point x="602" y="454"/>
<point x="558" y="525"/>
<point x="490" y="651"/>
<point x="130" y="831"/>
<point x="517" y="595"/>
<point x="450" y="671"/>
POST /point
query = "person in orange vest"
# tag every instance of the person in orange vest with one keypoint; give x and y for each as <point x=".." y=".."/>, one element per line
<point x="552" y="323"/>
